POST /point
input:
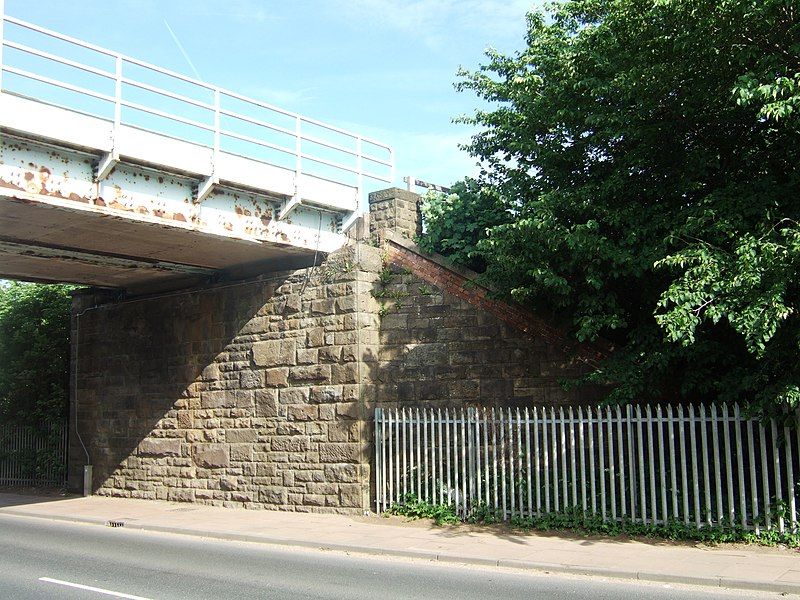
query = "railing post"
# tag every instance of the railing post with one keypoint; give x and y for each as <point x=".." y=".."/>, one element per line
<point x="360" y="174"/>
<point x="117" y="101"/>
<point x="215" y="164"/>
<point x="2" y="22"/>
<point x="108" y="162"/>
<point x="298" y="154"/>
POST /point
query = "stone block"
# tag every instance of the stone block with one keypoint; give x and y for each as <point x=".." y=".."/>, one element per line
<point x="345" y="373"/>
<point x="241" y="452"/>
<point x="242" y="496"/>
<point x="330" y="354"/>
<point x="310" y="374"/>
<point x="240" y="436"/>
<point x="290" y="444"/>
<point x="276" y="377"/>
<point x="295" y="395"/>
<point x="217" y="399"/>
<point x="228" y="483"/>
<point x="249" y="380"/>
<point x="185" y="419"/>
<point x="341" y="473"/>
<point x="290" y="429"/>
<point x="180" y="495"/>
<point x="348" y="410"/>
<point x="343" y="432"/>
<point x="426" y="355"/>
<point x="313" y="500"/>
<point x="326" y="394"/>
<point x="266" y="470"/>
<point x="302" y="412"/>
<point x="350" y="353"/>
<point x="274" y="353"/>
<point x="327" y="412"/>
<point x="338" y="453"/>
<point x="266" y="402"/>
<point x="323" y="307"/>
<point x="244" y="398"/>
<point x="307" y="356"/>
<point x="159" y="448"/>
<point x="293" y="304"/>
<point x="346" y="304"/>
<point x="273" y="495"/>
<point x="316" y="337"/>
<point x="465" y="389"/>
<point x="210" y="372"/>
<point x="326" y="489"/>
<point x="350" y="495"/>
<point x="211" y="456"/>
<point x="394" y="321"/>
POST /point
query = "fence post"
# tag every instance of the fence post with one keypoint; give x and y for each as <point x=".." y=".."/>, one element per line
<point x="378" y="460"/>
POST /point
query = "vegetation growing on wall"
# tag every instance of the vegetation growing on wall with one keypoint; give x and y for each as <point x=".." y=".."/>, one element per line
<point x="641" y="183"/>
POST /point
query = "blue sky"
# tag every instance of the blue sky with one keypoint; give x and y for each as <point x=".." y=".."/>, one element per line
<point x="383" y="68"/>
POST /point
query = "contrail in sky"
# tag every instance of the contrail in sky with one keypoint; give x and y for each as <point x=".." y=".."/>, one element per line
<point x="180" y="47"/>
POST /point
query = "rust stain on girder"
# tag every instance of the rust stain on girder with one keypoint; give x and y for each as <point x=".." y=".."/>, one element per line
<point x="160" y="198"/>
<point x="13" y="186"/>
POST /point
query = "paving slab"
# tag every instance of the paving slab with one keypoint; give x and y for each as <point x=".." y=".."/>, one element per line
<point x="752" y="568"/>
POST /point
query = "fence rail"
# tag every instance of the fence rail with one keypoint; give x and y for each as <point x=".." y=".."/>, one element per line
<point x="33" y="456"/>
<point x="707" y="465"/>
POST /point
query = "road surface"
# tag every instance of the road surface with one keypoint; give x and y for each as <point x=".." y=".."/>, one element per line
<point x="50" y="559"/>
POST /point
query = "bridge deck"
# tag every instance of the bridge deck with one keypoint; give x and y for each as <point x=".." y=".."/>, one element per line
<point x="103" y="186"/>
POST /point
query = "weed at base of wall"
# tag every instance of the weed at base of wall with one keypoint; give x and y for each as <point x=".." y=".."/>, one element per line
<point x="573" y="519"/>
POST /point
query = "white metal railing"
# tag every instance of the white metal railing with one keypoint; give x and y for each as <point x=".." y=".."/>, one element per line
<point x="707" y="466"/>
<point x="307" y="145"/>
<point x="33" y="456"/>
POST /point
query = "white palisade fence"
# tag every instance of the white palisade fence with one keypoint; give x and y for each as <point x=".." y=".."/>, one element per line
<point x="706" y="465"/>
<point x="30" y="456"/>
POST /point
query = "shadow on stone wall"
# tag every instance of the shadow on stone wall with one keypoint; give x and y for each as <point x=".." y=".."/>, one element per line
<point x="437" y="350"/>
<point x="147" y="366"/>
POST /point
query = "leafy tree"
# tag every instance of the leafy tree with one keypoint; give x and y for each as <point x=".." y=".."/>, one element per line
<point x="457" y="221"/>
<point x="34" y="353"/>
<point x="642" y="160"/>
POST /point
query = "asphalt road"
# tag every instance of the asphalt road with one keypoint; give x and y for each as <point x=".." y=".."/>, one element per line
<point x="48" y="559"/>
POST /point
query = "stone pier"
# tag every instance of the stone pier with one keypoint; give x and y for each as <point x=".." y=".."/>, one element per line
<point x="260" y="393"/>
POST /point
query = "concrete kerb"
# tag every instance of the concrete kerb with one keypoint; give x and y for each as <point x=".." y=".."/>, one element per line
<point x="540" y="567"/>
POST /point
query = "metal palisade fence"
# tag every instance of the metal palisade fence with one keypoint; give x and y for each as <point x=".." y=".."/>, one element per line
<point x="32" y="455"/>
<point x="706" y="465"/>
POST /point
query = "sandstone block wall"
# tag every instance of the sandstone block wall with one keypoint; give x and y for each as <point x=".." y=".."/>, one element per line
<point x="444" y="342"/>
<point x="260" y="394"/>
<point x="246" y="395"/>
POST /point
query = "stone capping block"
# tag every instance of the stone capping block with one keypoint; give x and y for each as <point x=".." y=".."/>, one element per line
<point x="211" y="456"/>
<point x="392" y="194"/>
<point x="273" y="353"/>
<point x="159" y="447"/>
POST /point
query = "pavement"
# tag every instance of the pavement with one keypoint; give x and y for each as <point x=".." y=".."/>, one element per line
<point x="724" y="566"/>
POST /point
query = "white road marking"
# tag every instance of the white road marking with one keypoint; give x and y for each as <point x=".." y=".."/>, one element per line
<point x="92" y="589"/>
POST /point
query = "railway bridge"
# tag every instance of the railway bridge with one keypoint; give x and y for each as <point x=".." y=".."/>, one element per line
<point x="117" y="173"/>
